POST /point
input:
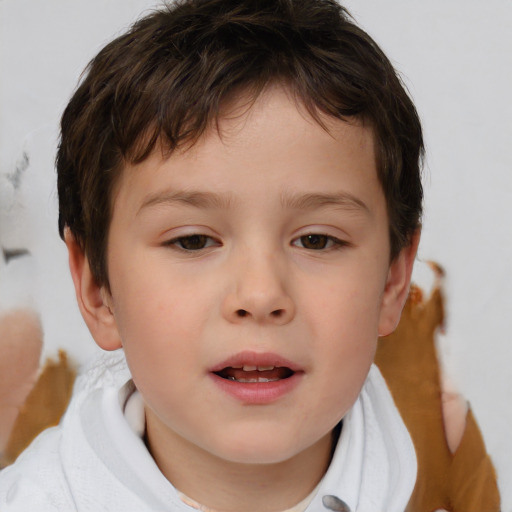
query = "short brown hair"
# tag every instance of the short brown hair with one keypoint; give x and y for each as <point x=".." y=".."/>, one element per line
<point x="167" y="77"/>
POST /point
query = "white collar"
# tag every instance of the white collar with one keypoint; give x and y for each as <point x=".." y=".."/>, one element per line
<point x="374" y="465"/>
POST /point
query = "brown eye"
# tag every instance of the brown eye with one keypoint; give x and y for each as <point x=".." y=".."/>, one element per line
<point x="314" y="241"/>
<point x="318" y="242"/>
<point x="192" y="242"/>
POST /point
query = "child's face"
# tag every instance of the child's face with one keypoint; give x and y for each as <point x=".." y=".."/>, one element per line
<point x="266" y="247"/>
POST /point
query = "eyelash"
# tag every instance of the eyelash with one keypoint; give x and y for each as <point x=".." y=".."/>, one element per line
<point x="331" y="242"/>
<point x="178" y="242"/>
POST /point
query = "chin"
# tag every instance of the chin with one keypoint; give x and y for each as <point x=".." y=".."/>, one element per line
<point x="272" y="449"/>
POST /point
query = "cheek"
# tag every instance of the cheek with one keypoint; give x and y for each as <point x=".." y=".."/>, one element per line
<point x="162" y="348"/>
<point x="347" y="308"/>
<point x="159" y="302"/>
<point x="162" y="318"/>
<point x="344" y="328"/>
<point x="346" y="366"/>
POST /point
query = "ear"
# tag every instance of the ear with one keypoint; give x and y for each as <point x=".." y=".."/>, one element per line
<point x="397" y="287"/>
<point x="93" y="300"/>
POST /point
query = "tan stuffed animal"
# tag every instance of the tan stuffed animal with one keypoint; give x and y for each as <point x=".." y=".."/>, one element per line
<point x="31" y="398"/>
<point x="20" y="348"/>
<point x="454" y="471"/>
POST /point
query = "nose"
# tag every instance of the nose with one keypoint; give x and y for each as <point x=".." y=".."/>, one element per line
<point x="259" y="292"/>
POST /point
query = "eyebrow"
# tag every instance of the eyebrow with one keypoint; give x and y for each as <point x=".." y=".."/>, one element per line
<point x="203" y="200"/>
<point x="341" y="200"/>
<point x="206" y="200"/>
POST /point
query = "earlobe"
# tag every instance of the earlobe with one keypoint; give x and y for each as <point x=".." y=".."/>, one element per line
<point x="94" y="301"/>
<point x="397" y="287"/>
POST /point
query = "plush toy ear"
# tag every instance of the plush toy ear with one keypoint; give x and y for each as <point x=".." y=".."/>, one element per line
<point x="397" y="287"/>
<point x="93" y="299"/>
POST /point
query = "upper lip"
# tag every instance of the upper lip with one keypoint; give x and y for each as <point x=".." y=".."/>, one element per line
<point x="258" y="359"/>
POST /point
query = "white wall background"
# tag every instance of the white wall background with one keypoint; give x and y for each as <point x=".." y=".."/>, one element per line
<point x="455" y="56"/>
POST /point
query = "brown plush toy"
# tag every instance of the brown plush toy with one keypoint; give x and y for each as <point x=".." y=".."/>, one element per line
<point x="454" y="471"/>
<point x="20" y="350"/>
<point x="31" y="398"/>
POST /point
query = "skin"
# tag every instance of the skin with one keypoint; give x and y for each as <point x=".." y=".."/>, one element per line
<point x="256" y="191"/>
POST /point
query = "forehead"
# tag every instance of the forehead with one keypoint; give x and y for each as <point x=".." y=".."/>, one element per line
<point x="248" y="112"/>
<point x="252" y="134"/>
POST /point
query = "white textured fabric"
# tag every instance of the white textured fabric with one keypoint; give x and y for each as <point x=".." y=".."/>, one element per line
<point x="94" y="461"/>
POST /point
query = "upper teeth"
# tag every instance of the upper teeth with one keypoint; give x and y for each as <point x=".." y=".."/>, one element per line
<point x="252" y="368"/>
<point x="253" y="379"/>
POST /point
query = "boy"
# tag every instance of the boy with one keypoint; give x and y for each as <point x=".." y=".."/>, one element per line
<point x="240" y="196"/>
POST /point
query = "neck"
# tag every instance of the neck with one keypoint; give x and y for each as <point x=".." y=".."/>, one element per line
<point x="228" y="486"/>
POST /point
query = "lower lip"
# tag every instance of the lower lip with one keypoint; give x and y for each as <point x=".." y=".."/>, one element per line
<point x="257" y="393"/>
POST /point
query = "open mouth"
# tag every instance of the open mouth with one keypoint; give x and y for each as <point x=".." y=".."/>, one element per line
<point x="254" y="378"/>
<point x="252" y="374"/>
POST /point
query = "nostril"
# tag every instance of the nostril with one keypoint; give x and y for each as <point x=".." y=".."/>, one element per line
<point x="276" y="313"/>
